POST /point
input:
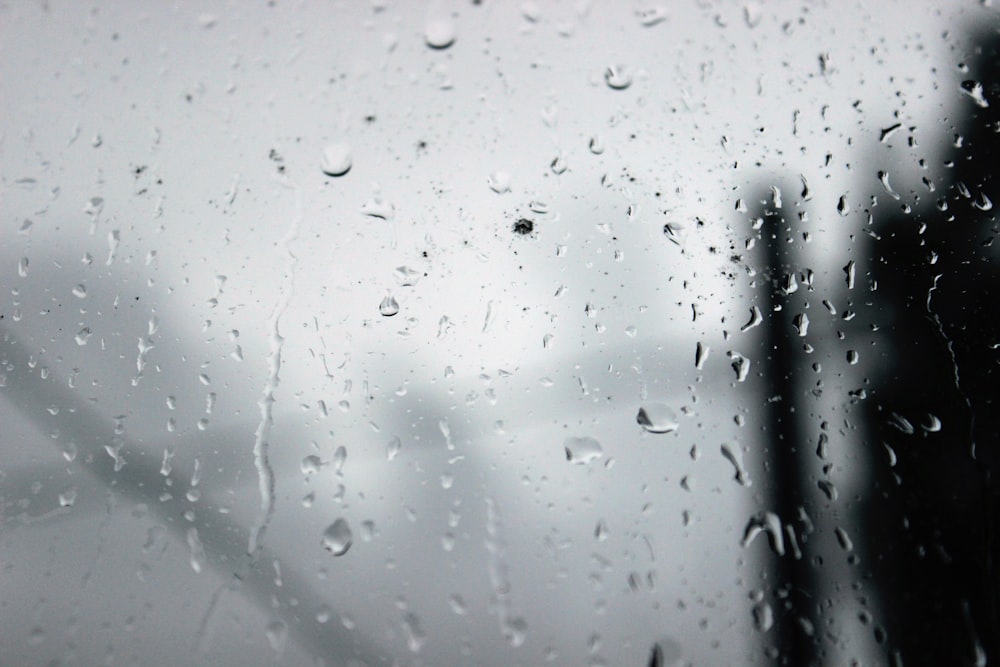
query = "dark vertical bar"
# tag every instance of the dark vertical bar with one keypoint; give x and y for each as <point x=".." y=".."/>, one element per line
<point x="785" y="443"/>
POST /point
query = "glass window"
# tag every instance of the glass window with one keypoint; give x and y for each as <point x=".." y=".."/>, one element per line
<point x="498" y="333"/>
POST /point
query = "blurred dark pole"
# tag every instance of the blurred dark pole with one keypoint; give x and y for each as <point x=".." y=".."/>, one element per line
<point x="786" y="451"/>
<point x="933" y="420"/>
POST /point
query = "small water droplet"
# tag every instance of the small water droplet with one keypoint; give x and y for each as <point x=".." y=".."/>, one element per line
<point x="843" y="208"/>
<point x="277" y="635"/>
<point x="843" y="539"/>
<point x="310" y="465"/>
<point x="755" y="319"/>
<point x="596" y="145"/>
<point x="849" y="274"/>
<point x="700" y="355"/>
<point x="439" y="32"/>
<point x="801" y="324"/>
<point x="392" y="449"/>
<point x="618" y="77"/>
<point x="499" y="182"/>
<point x="932" y="424"/>
<point x="338" y="538"/>
<point x="415" y="636"/>
<point x="740" y="364"/>
<point x="883" y="178"/>
<point x="763" y="616"/>
<point x="389" y="306"/>
<point x="657" y="418"/>
<point x="82" y="336"/>
<point x="457" y="605"/>
<point x="582" y="450"/>
<point x="734" y="457"/>
<point x="650" y="16"/>
<point x="337" y="159"/>
<point x="765" y="522"/>
<point x="68" y="497"/>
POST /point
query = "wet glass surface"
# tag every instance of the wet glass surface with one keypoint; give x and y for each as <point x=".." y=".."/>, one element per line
<point x="489" y="333"/>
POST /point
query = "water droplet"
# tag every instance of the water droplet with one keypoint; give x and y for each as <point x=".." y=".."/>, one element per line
<point x="379" y="207"/>
<point x="883" y="178"/>
<point x="558" y="165"/>
<point x="932" y="424"/>
<point x="974" y="90"/>
<point x="801" y="324"/>
<point x="901" y="422"/>
<point x="763" y="616"/>
<point x="740" y="364"/>
<point x="392" y="449"/>
<point x="650" y="16"/>
<point x="849" y="273"/>
<point x="499" y="182"/>
<point x="277" y="635"/>
<point x="337" y="159"/>
<point x="734" y="456"/>
<point x="324" y="614"/>
<point x="439" y="32"/>
<point x="657" y="418"/>
<point x="457" y="605"/>
<point x="765" y="522"/>
<point x="596" y="145"/>
<point x="197" y="550"/>
<point x="311" y="464"/>
<point x="68" y="497"/>
<point x="515" y="630"/>
<point x="828" y="489"/>
<point x="82" y="336"/>
<point x="389" y="306"/>
<point x="755" y="319"/>
<point x="618" y="77"/>
<point x="843" y="208"/>
<point x="338" y="538"/>
<point x="700" y="355"/>
<point x="843" y="539"/>
<point x="983" y="203"/>
<point x="582" y="450"/>
<point x="415" y="636"/>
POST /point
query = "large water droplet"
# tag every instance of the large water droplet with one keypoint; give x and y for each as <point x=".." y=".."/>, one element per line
<point x="657" y="418"/>
<point x="974" y="90"/>
<point x="389" y="306"/>
<point x="338" y="538"/>
<point x="439" y="32"/>
<point x="582" y="450"/>
<point x="336" y="160"/>
<point x="618" y="77"/>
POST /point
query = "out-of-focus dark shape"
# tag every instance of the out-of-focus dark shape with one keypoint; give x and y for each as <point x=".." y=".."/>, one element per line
<point x="782" y="365"/>
<point x="933" y="418"/>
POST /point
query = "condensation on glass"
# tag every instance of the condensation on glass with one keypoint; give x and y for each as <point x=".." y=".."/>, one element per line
<point x="498" y="333"/>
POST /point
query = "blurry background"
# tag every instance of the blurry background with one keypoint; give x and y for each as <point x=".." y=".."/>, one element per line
<point x="259" y="411"/>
